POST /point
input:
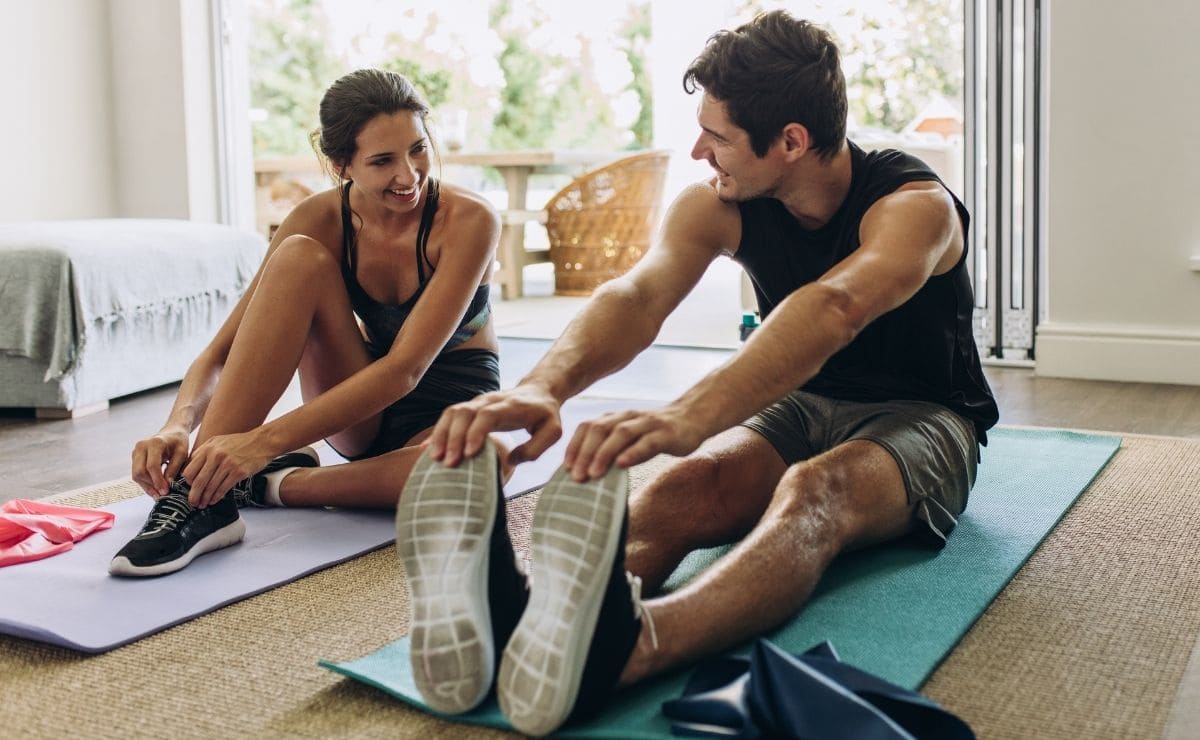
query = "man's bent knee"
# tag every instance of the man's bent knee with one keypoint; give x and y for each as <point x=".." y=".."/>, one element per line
<point x="693" y="499"/>
<point x="850" y="504"/>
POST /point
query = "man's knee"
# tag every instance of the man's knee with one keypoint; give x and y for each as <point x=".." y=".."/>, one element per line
<point x="811" y="489"/>
<point x="690" y="482"/>
<point x="846" y="504"/>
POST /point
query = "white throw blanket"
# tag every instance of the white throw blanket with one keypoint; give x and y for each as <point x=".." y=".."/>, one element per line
<point x="58" y="278"/>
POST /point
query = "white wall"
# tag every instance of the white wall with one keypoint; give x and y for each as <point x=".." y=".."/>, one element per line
<point x="1124" y="192"/>
<point x="165" y="136"/>
<point x="57" y="121"/>
<point x="690" y="24"/>
<point x="108" y="110"/>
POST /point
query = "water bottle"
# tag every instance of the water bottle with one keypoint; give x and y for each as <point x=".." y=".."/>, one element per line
<point x="749" y="324"/>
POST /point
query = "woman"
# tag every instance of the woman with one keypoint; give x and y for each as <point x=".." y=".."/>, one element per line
<point x="389" y="248"/>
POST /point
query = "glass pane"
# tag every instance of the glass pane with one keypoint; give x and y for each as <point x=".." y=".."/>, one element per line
<point x="903" y="61"/>
<point x="506" y="74"/>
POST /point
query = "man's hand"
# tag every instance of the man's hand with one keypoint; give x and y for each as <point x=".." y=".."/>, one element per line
<point x="463" y="427"/>
<point x="167" y="448"/>
<point x="628" y="438"/>
<point x="220" y="462"/>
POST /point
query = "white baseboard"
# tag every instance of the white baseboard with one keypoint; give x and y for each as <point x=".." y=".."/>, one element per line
<point x="1134" y="354"/>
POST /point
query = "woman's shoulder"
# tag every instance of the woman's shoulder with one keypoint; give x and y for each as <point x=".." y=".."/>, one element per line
<point x="318" y="216"/>
<point x="466" y="207"/>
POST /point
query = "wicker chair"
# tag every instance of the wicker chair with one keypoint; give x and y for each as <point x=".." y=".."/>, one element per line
<point x="601" y="224"/>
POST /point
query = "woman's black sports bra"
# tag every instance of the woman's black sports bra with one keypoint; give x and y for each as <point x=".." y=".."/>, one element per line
<point x="382" y="321"/>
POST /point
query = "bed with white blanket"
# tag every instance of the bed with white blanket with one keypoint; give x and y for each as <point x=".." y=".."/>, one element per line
<point x="95" y="309"/>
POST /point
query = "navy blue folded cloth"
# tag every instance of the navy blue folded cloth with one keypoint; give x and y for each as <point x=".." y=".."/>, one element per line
<point x="812" y="696"/>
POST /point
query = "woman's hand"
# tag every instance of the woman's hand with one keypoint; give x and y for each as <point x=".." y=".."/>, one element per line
<point x="167" y="449"/>
<point x="222" y="461"/>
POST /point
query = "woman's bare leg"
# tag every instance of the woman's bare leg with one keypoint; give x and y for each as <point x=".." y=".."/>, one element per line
<point x="298" y="318"/>
<point x="373" y="483"/>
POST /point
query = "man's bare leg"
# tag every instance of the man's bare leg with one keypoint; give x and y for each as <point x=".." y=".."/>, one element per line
<point x="712" y="497"/>
<point x="848" y="497"/>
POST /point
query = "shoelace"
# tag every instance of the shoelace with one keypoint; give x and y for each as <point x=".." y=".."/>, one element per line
<point x="639" y="610"/>
<point x="241" y="492"/>
<point x="168" y="512"/>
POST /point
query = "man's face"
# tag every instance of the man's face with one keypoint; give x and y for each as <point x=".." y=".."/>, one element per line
<point x="741" y="175"/>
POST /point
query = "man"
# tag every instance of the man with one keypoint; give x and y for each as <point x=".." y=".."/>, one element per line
<point x="859" y="265"/>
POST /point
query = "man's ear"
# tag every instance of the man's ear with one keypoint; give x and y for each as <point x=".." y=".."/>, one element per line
<point x="796" y="140"/>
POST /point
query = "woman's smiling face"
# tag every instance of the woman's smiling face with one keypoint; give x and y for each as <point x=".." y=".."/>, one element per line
<point x="391" y="160"/>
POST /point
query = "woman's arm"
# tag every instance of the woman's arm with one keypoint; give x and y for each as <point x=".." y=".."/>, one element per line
<point x="470" y="234"/>
<point x="468" y="230"/>
<point x="157" y="459"/>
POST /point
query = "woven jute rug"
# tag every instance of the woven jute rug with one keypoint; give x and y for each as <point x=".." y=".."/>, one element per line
<point x="1090" y="639"/>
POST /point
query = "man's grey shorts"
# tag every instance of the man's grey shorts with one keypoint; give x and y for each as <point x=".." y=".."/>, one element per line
<point x="935" y="448"/>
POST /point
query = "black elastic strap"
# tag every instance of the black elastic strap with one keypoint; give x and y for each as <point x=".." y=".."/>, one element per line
<point x="431" y="204"/>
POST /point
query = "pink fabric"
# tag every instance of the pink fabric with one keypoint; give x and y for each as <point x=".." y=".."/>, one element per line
<point x="32" y="530"/>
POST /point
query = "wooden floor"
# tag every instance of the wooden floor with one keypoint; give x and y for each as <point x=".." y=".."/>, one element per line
<point x="38" y="458"/>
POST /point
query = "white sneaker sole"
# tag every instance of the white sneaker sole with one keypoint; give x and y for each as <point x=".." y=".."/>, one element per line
<point x="444" y="522"/>
<point x="574" y="537"/>
<point x="230" y="534"/>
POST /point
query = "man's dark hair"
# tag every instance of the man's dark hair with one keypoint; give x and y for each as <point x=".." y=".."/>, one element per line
<point x="773" y="71"/>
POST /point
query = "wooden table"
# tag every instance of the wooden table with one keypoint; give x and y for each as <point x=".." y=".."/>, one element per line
<point x="515" y="167"/>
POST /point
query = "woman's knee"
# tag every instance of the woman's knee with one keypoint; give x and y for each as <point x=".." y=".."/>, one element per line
<point x="303" y="259"/>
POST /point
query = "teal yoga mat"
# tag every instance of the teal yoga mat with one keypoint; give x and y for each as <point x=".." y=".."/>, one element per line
<point x="895" y="610"/>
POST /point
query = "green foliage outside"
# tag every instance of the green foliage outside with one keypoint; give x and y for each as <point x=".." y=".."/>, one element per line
<point x="434" y="84"/>
<point x="636" y="35"/>
<point x="290" y="67"/>
<point x="896" y="60"/>
<point x="545" y="99"/>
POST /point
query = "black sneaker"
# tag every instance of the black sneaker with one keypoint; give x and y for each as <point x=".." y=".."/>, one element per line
<point x="584" y="613"/>
<point x="252" y="491"/>
<point x="466" y="590"/>
<point x="176" y="532"/>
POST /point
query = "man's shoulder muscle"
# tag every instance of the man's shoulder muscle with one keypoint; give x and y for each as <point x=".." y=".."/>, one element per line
<point x="698" y="218"/>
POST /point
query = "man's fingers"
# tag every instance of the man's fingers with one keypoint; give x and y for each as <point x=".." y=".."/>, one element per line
<point x="447" y="433"/>
<point x="485" y="421"/>
<point x="639" y="452"/>
<point x="458" y="419"/>
<point x="597" y="442"/>
<point x="619" y="438"/>
<point x="542" y="438"/>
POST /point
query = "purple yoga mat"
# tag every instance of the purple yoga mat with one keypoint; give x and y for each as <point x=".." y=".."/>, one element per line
<point x="70" y="599"/>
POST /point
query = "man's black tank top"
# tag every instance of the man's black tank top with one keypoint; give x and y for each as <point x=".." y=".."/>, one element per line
<point x="923" y="350"/>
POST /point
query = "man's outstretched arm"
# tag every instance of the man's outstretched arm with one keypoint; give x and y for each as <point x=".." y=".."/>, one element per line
<point x="622" y="319"/>
<point x="906" y="237"/>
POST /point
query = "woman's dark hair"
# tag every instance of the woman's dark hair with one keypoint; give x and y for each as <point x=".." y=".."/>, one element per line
<point x="773" y="71"/>
<point x="351" y="102"/>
